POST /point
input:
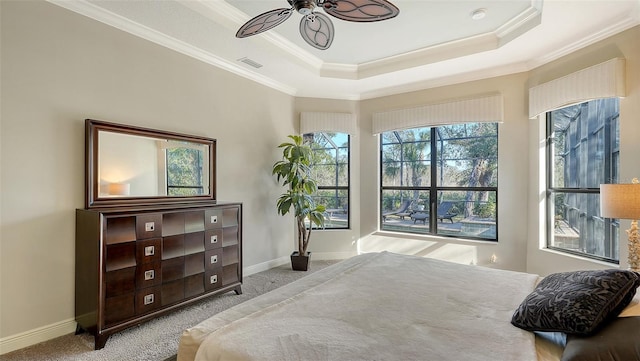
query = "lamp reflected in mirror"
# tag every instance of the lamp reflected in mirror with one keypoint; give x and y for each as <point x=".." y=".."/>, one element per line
<point x="623" y="201"/>
<point x="119" y="189"/>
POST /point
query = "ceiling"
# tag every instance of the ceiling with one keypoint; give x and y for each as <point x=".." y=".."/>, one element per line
<point x="430" y="43"/>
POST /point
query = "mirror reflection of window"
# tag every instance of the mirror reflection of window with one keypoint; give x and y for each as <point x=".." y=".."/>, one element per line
<point x="184" y="169"/>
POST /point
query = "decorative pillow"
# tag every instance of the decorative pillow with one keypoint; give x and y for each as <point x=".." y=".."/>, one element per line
<point x="618" y="341"/>
<point x="576" y="302"/>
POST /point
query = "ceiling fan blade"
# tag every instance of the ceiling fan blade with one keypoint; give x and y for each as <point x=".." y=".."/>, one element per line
<point x="264" y="22"/>
<point x="360" y="10"/>
<point x="317" y="30"/>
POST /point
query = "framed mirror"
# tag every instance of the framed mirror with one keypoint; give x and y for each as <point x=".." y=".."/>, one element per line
<point x="132" y="166"/>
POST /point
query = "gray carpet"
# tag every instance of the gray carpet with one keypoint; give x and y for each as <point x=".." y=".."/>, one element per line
<point x="157" y="340"/>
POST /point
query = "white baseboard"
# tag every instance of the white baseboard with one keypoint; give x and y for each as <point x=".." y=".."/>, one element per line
<point x="37" y="335"/>
<point x="248" y="271"/>
<point x="45" y="333"/>
<point x="319" y="256"/>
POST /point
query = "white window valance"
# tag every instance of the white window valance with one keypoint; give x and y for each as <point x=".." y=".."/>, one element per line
<point x="311" y="122"/>
<point x="486" y="108"/>
<point x="605" y="80"/>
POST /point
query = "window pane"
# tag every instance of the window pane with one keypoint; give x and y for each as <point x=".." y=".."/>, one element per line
<point x="467" y="214"/>
<point x="405" y="211"/>
<point x="336" y="203"/>
<point x="406" y="158"/>
<point x="584" y="143"/>
<point x="578" y="227"/>
<point x="331" y="170"/>
<point x="468" y="155"/>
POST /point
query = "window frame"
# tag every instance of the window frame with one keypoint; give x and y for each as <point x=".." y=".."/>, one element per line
<point x="434" y="189"/>
<point x="337" y="188"/>
<point x="611" y="226"/>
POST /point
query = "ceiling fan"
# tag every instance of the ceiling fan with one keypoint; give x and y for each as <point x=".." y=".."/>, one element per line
<point x="315" y="27"/>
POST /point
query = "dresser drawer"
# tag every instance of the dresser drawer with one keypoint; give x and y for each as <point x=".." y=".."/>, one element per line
<point x="119" y="229"/>
<point x="213" y="279"/>
<point x="193" y="242"/>
<point x="172" y="292"/>
<point x="149" y="225"/>
<point x="230" y="274"/>
<point x="229" y="255"/>
<point x="173" y="246"/>
<point x="213" y="238"/>
<point x="230" y="236"/>
<point x="213" y="218"/>
<point x="149" y="250"/>
<point x="119" y="256"/>
<point x="172" y="269"/>
<point x="148" y="299"/>
<point x="148" y="275"/>
<point x="194" y="285"/>
<point x="120" y="281"/>
<point x="193" y="263"/>
<point x="213" y="258"/>
<point x="119" y="308"/>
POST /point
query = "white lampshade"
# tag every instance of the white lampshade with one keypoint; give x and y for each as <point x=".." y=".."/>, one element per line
<point x="119" y="189"/>
<point x="620" y="201"/>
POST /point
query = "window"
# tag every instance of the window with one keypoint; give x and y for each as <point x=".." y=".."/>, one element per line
<point x="184" y="171"/>
<point x="440" y="180"/>
<point x="331" y="169"/>
<point x="582" y="153"/>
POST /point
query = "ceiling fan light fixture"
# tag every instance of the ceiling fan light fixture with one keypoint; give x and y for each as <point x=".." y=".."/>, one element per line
<point x="304" y="7"/>
<point x="315" y="27"/>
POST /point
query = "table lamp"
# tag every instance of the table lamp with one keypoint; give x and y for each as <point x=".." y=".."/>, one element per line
<point x="623" y="201"/>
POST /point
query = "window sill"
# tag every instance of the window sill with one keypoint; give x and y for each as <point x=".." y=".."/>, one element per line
<point x="431" y="238"/>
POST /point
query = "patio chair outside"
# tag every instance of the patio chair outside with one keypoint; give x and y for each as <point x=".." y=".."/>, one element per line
<point x="444" y="211"/>
<point x="402" y="209"/>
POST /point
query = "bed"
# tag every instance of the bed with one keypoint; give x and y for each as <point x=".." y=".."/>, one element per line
<point x="381" y="306"/>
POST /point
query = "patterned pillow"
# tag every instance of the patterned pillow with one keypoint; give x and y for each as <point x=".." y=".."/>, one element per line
<point x="576" y="302"/>
<point x="617" y="341"/>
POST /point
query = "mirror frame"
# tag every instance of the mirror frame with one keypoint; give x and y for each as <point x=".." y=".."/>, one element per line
<point x="92" y="198"/>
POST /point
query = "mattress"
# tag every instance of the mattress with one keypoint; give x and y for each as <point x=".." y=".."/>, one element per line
<point x="378" y="306"/>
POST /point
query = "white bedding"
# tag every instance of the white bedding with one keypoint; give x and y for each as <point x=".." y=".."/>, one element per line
<point x="378" y="306"/>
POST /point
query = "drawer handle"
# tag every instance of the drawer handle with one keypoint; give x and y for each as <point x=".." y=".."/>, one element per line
<point x="214" y="259"/>
<point x="214" y="219"/>
<point x="149" y="275"/>
<point x="214" y="239"/>
<point x="149" y="226"/>
<point x="149" y="250"/>
<point x="148" y="299"/>
<point x="213" y="279"/>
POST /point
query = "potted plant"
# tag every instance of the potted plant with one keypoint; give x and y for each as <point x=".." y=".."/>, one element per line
<point x="294" y="170"/>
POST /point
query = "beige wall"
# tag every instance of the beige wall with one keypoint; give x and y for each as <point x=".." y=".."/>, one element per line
<point x="58" y="68"/>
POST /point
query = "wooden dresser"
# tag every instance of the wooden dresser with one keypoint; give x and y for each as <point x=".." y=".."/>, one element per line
<point x="136" y="263"/>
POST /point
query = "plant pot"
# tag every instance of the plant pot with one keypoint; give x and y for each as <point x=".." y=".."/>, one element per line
<point x="300" y="263"/>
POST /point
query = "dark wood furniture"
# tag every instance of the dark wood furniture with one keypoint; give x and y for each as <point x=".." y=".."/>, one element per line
<point x="136" y="263"/>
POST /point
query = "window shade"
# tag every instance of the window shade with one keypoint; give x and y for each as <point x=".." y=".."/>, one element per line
<point x="311" y="122"/>
<point x="487" y="108"/>
<point x="605" y="80"/>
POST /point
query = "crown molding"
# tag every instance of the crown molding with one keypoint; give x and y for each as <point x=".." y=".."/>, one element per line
<point x="97" y="13"/>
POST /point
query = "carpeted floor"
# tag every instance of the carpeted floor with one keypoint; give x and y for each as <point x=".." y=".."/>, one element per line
<point x="157" y="340"/>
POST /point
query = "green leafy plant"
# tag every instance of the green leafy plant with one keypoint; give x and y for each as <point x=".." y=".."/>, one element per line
<point x="294" y="170"/>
